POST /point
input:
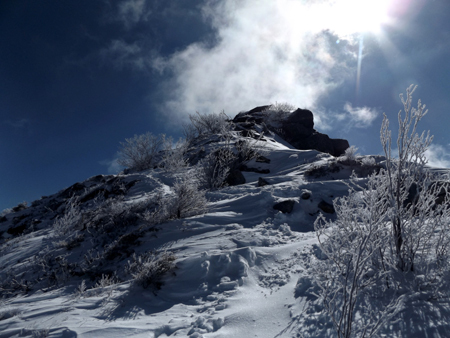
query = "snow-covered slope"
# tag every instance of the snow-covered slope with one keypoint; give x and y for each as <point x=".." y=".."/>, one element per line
<point x="239" y="270"/>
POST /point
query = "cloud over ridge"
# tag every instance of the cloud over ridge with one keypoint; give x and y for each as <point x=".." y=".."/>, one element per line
<point x="264" y="51"/>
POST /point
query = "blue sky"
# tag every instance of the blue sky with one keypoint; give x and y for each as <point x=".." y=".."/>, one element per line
<point x="78" y="77"/>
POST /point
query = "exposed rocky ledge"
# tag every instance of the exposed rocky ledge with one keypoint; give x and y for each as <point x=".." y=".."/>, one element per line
<point x="297" y="128"/>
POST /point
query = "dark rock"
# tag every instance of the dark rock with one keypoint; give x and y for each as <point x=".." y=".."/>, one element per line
<point x="20" y="207"/>
<point x="442" y="187"/>
<point x="17" y="230"/>
<point x="235" y="177"/>
<point x="243" y="167"/>
<point x="340" y="146"/>
<point x="306" y="195"/>
<point x="250" y="133"/>
<point x="297" y="129"/>
<point x="75" y="189"/>
<point x="3" y="219"/>
<point x="285" y="207"/>
<point x="412" y="196"/>
<point x="258" y="109"/>
<point x="18" y="219"/>
<point x="262" y="182"/>
<point x="262" y="159"/>
<point x="302" y="116"/>
<point x="95" y="193"/>
<point x="326" y="207"/>
<point x="98" y="178"/>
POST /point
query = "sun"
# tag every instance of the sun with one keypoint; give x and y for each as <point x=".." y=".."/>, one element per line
<point x="360" y="16"/>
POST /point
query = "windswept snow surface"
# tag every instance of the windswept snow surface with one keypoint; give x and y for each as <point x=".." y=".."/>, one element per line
<point x="239" y="267"/>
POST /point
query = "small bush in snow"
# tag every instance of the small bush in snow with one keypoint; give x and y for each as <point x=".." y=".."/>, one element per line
<point x="206" y="125"/>
<point x="6" y="212"/>
<point x="278" y="112"/>
<point x="138" y="153"/>
<point x="71" y="219"/>
<point x="213" y="170"/>
<point x="147" y="270"/>
<point x="9" y="313"/>
<point x="188" y="200"/>
<point x="349" y="156"/>
<point x="174" y="155"/>
<point x="368" y="161"/>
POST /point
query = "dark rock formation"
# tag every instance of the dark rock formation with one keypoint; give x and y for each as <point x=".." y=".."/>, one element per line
<point x="297" y="129"/>
<point x="285" y="207"/>
<point x="235" y="177"/>
<point x="262" y="182"/>
<point x="306" y="195"/>
<point x="326" y="207"/>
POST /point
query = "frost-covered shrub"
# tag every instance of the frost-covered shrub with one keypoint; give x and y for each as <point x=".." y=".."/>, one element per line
<point x="322" y="169"/>
<point x="9" y="313"/>
<point x="277" y="112"/>
<point x="213" y="170"/>
<point x="351" y="153"/>
<point x="6" y="211"/>
<point x="385" y="243"/>
<point x="138" y="153"/>
<point x="174" y="155"/>
<point x="349" y="156"/>
<point x="188" y="199"/>
<point x="69" y="221"/>
<point x="20" y="207"/>
<point x="250" y="148"/>
<point x="148" y="269"/>
<point x="206" y="125"/>
<point x="368" y="161"/>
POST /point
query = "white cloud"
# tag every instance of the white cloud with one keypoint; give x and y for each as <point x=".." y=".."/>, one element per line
<point x="361" y="117"/>
<point x="131" y="12"/>
<point x="112" y="166"/>
<point x="123" y="54"/>
<point x="264" y="51"/>
<point x="438" y="156"/>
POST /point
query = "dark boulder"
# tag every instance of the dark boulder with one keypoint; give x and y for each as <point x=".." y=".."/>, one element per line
<point x="326" y="207"/>
<point x="299" y="124"/>
<point x="262" y="159"/>
<point x="18" y="230"/>
<point x="297" y="128"/>
<point x="235" y="177"/>
<point x="262" y="182"/>
<point x="285" y="207"/>
<point x="306" y="195"/>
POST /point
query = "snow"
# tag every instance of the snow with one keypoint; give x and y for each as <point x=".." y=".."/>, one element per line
<point x="240" y="268"/>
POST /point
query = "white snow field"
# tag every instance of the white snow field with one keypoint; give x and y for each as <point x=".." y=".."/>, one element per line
<point x="240" y="269"/>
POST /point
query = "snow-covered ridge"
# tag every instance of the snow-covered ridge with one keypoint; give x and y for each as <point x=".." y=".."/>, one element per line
<point x="98" y="260"/>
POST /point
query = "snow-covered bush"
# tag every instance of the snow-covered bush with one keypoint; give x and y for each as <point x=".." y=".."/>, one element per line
<point x="349" y="155"/>
<point x="206" y="125"/>
<point x="368" y="161"/>
<point x="138" y="153"/>
<point x="213" y="170"/>
<point x="174" y="155"/>
<point x="66" y="224"/>
<point x="278" y="112"/>
<point x="148" y="269"/>
<point x="250" y="148"/>
<point x="189" y="200"/>
<point x="390" y="237"/>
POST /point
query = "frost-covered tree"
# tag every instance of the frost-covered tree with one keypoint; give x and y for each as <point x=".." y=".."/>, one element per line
<point x="138" y="153"/>
<point x="391" y="235"/>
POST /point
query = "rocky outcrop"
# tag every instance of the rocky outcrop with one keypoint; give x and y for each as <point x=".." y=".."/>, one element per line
<point x="297" y="128"/>
<point x="285" y="207"/>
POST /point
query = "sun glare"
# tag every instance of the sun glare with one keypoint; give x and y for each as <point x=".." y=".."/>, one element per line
<point x="358" y="16"/>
